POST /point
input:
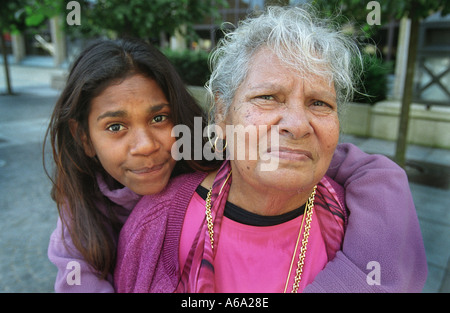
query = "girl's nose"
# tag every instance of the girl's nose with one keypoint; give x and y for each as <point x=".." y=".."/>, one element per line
<point x="143" y="143"/>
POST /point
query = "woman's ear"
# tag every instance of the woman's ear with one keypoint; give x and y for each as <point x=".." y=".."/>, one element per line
<point x="219" y="116"/>
<point x="87" y="146"/>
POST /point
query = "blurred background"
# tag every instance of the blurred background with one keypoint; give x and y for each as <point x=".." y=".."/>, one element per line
<point x="402" y="110"/>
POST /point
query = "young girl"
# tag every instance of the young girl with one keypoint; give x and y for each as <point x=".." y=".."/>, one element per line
<point x="111" y="137"/>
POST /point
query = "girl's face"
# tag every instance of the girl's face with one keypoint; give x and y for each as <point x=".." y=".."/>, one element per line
<point x="130" y="133"/>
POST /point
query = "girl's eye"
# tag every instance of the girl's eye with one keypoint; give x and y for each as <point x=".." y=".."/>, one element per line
<point x="159" y="118"/>
<point x="115" y="128"/>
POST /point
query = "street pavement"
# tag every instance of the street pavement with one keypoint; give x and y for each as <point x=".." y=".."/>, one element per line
<point x="28" y="214"/>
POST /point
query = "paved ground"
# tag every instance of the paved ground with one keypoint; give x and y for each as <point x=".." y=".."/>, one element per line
<point x="28" y="215"/>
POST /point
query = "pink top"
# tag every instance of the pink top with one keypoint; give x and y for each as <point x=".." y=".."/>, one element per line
<point x="255" y="258"/>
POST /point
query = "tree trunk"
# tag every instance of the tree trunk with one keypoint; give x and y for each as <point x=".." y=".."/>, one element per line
<point x="400" y="153"/>
<point x="5" y="63"/>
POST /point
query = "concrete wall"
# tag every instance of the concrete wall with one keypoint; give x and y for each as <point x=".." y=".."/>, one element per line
<point x="426" y="127"/>
<point x="356" y="119"/>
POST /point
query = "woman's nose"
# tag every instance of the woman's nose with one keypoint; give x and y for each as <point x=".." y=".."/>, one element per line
<point x="295" y="122"/>
<point x="143" y="143"/>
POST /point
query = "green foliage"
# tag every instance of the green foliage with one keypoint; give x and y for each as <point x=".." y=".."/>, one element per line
<point x="112" y="18"/>
<point x="355" y="11"/>
<point x="373" y="81"/>
<point x="17" y="15"/>
<point x="191" y="65"/>
<point x="36" y="12"/>
<point x="142" y="18"/>
<point x="11" y="19"/>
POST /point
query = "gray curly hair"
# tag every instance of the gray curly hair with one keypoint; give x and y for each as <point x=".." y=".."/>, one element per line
<point x="298" y="37"/>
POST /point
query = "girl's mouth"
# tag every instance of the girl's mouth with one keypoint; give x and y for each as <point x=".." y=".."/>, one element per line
<point x="147" y="170"/>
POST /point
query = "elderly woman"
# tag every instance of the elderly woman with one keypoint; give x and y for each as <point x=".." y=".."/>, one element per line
<point x="247" y="229"/>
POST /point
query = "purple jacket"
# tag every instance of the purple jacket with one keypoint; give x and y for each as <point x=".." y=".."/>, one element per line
<point x="382" y="251"/>
<point x="63" y="253"/>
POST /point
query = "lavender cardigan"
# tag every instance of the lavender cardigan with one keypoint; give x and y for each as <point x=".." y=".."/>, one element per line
<point x="68" y="260"/>
<point x="383" y="227"/>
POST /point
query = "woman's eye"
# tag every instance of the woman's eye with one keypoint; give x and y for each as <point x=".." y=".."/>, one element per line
<point x="319" y="103"/>
<point x="266" y="97"/>
<point x="115" y="128"/>
<point x="159" y="118"/>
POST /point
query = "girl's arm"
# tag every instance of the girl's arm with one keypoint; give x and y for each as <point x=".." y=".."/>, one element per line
<point x="383" y="248"/>
<point x="74" y="274"/>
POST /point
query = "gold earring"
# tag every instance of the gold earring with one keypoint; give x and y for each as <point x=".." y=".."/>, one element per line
<point x="215" y="145"/>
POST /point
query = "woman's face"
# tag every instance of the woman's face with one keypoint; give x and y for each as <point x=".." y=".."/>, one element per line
<point x="303" y="112"/>
<point x="129" y="128"/>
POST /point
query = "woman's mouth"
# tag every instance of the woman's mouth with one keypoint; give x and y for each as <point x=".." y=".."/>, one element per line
<point x="290" y="153"/>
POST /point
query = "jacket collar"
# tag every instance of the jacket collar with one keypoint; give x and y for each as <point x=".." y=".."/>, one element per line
<point x="122" y="196"/>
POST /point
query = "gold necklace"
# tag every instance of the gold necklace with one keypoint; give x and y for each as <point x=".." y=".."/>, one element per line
<point x="301" y="259"/>
<point x="208" y="212"/>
